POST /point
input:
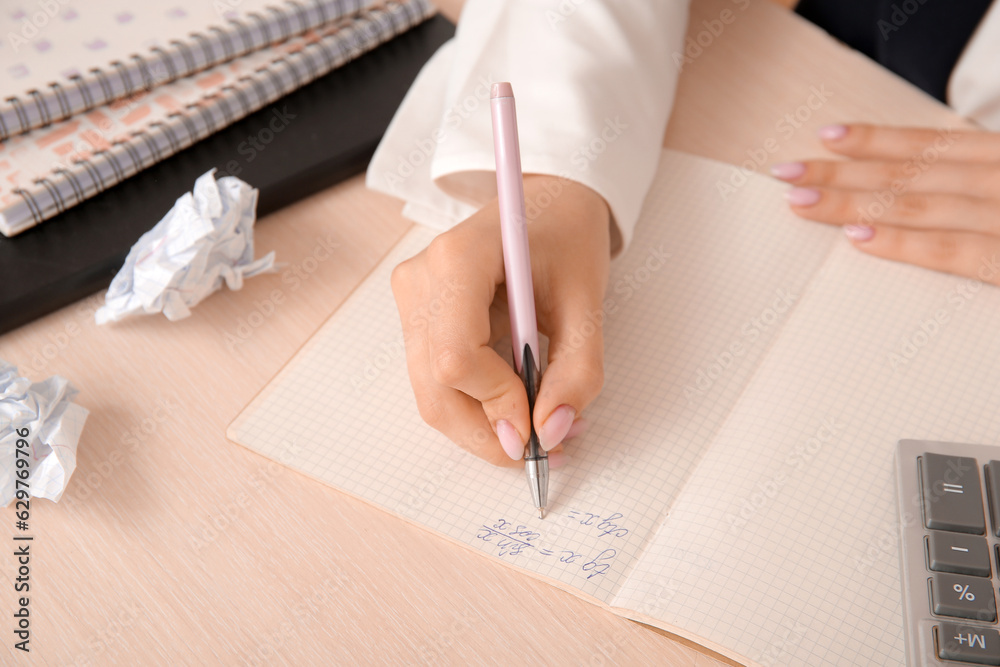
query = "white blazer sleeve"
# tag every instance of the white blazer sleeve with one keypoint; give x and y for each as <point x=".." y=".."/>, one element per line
<point x="974" y="85"/>
<point x="594" y="82"/>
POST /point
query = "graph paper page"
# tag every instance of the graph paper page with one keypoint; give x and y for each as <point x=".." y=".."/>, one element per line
<point x="691" y="308"/>
<point x="783" y="544"/>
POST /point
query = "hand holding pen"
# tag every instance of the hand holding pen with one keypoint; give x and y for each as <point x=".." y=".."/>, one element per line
<point x="517" y="275"/>
<point x="453" y="309"/>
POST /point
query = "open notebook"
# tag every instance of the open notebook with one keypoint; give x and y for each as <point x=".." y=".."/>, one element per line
<point x="735" y="486"/>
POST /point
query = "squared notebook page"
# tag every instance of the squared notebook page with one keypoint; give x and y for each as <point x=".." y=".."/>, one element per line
<point x="789" y="525"/>
<point x="701" y="276"/>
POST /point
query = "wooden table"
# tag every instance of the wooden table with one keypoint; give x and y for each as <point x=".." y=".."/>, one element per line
<point x="176" y="546"/>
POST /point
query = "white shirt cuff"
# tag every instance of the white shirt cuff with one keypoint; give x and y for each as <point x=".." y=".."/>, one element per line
<point x="594" y="84"/>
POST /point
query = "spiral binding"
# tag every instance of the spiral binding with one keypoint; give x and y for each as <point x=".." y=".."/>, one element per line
<point x="65" y="188"/>
<point x="199" y="51"/>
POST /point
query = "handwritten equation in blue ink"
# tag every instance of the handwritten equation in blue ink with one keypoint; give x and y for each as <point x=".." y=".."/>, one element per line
<point x="517" y="539"/>
<point x="605" y="527"/>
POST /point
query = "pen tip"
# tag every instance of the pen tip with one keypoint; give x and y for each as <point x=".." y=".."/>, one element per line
<point x="541" y="512"/>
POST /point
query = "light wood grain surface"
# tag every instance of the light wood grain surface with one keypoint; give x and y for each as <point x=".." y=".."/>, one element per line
<point x="176" y="546"/>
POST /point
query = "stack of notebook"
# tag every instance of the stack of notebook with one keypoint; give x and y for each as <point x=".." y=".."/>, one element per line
<point x="150" y="96"/>
<point x="95" y="95"/>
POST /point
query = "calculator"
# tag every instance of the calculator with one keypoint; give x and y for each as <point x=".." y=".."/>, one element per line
<point x="948" y="497"/>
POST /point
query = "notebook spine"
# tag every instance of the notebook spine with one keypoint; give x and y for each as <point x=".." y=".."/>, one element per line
<point x="64" y="188"/>
<point x="199" y="51"/>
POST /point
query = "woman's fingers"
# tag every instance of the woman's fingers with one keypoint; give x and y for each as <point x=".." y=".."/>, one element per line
<point x="574" y="376"/>
<point x="448" y="410"/>
<point x="908" y="209"/>
<point x="975" y="178"/>
<point x="875" y="142"/>
<point x="921" y="196"/>
<point x="460" y="333"/>
<point x="444" y="307"/>
<point x="478" y="372"/>
<point x="968" y="254"/>
<point x="570" y="281"/>
<point x="457" y="415"/>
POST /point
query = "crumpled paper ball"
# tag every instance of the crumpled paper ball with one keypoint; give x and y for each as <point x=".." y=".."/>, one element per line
<point x="205" y="239"/>
<point x="53" y="423"/>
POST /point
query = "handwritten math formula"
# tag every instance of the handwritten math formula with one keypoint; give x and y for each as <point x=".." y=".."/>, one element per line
<point x="512" y="539"/>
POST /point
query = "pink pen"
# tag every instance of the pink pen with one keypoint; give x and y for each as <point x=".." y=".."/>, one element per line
<point x="517" y="272"/>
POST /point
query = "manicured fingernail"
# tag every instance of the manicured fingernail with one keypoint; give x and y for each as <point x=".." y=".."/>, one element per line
<point x="555" y="428"/>
<point x="578" y="428"/>
<point x="510" y="440"/>
<point x="558" y="459"/>
<point x="788" y="171"/>
<point x="859" y="233"/>
<point x="802" y="196"/>
<point x="832" y="132"/>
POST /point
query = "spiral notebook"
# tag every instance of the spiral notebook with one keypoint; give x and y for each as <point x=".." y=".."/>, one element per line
<point x="339" y="119"/>
<point x="735" y="486"/>
<point x="46" y="171"/>
<point x="62" y="58"/>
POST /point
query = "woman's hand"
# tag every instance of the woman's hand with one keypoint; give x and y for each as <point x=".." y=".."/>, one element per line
<point x="923" y="196"/>
<point x="453" y="307"/>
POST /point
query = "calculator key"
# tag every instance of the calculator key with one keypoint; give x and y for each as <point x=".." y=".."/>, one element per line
<point x="968" y="644"/>
<point x="958" y="553"/>
<point x="963" y="597"/>
<point x="993" y="493"/>
<point x="952" y="496"/>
